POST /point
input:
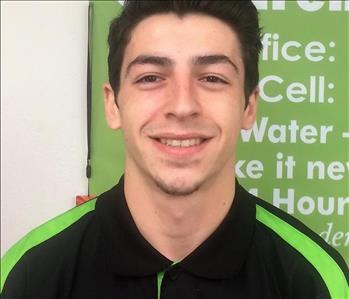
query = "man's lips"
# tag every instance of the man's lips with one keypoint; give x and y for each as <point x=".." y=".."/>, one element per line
<point x="180" y="144"/>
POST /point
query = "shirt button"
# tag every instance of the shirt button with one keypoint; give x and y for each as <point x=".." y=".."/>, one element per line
<point x="173" y="273"/>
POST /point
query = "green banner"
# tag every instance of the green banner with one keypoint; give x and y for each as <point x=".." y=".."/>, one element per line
<point x="297" y="154"/>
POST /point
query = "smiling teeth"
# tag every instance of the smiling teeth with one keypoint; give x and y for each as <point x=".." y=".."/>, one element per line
<point x="181" y="143"/>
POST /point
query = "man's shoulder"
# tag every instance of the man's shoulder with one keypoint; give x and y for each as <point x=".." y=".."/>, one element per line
<point x="301" y="248"/>
<point x="50" y="241"/>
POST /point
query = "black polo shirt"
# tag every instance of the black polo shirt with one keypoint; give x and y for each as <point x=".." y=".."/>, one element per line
<point x="96" y="251"/>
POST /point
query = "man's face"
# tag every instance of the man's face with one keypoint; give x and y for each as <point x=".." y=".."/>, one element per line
<point x="181" y="101"/>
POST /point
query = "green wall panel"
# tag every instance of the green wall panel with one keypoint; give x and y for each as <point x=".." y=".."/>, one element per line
<point x="301" y="137"/>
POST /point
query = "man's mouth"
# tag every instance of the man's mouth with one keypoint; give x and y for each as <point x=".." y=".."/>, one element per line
<point x="181" y="146"/>
<point x="181" y="142"/>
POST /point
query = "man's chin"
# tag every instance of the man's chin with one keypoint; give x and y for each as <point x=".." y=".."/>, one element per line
<point x="177" y="188"/>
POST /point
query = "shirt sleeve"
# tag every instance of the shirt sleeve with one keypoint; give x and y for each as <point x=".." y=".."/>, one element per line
<point x="16" y="282"/>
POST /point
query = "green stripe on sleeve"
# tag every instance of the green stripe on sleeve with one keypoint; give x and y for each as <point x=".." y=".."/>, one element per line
<point x="41" y="234"/>
<point x="328" y="269"/>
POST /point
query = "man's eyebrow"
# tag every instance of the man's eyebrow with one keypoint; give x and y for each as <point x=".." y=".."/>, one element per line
<point x="150" y="59"/>
<point x="213" y="59"/>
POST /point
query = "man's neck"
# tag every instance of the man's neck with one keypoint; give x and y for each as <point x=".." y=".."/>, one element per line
<point x="175" y="226"/>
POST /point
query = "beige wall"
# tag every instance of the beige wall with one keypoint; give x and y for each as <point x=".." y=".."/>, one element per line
<point x="43" y="112"/>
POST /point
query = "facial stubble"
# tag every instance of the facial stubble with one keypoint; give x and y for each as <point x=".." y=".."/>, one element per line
<point x="176" y="191"/>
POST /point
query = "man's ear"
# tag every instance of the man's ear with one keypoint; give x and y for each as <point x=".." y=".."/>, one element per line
<point x="250" y="110"/>
<point x="112" y="113"/>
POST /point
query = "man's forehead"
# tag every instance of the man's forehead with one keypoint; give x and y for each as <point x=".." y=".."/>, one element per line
<point x="158" y="22"/>
<point x="164" y="35"/>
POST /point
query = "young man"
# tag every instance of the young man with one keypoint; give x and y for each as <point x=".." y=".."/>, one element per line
<point x="183" y="83"/>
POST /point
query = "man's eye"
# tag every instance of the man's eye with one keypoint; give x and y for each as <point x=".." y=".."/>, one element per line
<point x="148" y="79"/>
<point x="213" y="79"/>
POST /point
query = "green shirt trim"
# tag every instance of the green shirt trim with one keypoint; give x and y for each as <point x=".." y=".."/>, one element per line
<point x="41" y="234"/>
<point x="160" y="277"/>
<point x="328" y="269"/>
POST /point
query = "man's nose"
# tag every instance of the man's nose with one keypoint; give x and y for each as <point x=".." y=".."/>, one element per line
<point x="183" y="101"/>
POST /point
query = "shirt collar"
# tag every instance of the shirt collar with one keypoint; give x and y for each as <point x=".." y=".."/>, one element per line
<point x="129" y="254"/>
